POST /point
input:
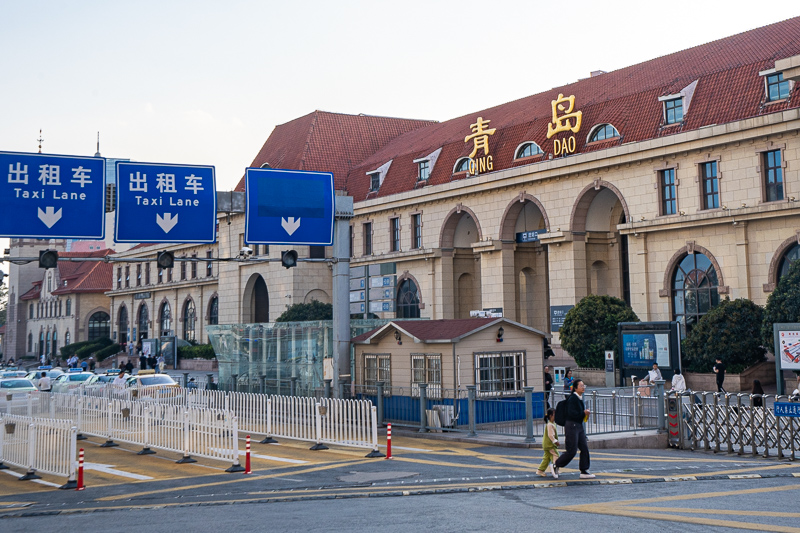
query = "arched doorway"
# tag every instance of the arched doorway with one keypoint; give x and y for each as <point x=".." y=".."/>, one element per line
<point x="189" y="318"/>
<point x="595" y="216"/>
<point x="122" y="324"/>
<point x="524" y="223"/>
<point x="460" y="231"/>
<point x="695" y="289"/>
<point x="142" y="324"/>
<point x="255" y="303"/>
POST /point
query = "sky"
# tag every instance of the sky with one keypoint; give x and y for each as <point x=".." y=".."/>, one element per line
<point x="205" y="82"/>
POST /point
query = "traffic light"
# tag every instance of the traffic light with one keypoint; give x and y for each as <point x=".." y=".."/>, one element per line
<point x="48" y="258"/>
<point x="289" y="258"/>
<point x="165" y="260"/>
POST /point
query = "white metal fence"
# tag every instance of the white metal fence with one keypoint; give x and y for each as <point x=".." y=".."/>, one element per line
<point x="39" y="445"/>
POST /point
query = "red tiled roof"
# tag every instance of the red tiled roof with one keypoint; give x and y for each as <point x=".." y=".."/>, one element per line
<point x="434" y="330"/>
<point x="728" y="89"/>
<point x="83" y="276"/>
<point x="329" y="142"/>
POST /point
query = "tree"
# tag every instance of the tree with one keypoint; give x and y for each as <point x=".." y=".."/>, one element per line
<point x="783" y="305"/>
<point x="730" y="331"/>
<point x="590" y="328"/>
<point x="305" y="312"/>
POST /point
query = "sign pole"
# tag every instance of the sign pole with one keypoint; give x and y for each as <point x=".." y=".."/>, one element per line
<point x="341" y="289"/>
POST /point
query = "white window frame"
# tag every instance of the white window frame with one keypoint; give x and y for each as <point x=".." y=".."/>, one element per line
<point x="501" y="383"/>
<point x="377" y="367"/>
<point x="426" y="368"/>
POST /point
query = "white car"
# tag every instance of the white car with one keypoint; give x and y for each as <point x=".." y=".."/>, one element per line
<point x="71" y="380"/>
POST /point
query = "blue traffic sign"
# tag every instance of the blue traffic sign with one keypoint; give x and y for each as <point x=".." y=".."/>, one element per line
<point x="289" y="207"/>
<point x="787" y="409"/>
<point x="165" y="203"/>
<point x="47" y="196"/>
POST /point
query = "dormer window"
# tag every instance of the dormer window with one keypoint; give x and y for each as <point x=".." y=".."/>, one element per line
<point x="424" y="170"/>
<point x="777" y="87"/>
<point x="265" y="165"/>
<point x="462" y="165"/>
<point x="673" y="111"/>
<point x="603" y="132"/>
<point x="527" y="149"/>
<point x="374" y="181"/>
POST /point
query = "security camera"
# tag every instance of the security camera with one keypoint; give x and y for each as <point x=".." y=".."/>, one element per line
<point x="246" y="252"/>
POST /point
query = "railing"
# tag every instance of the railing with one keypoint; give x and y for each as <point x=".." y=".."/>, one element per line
<point x="39" y="445"/>
<point x="733" y="423"/>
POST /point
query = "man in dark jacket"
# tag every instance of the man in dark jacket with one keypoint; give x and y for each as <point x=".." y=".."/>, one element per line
<point x="548" y="385"/>
<point x="576" y="435"/>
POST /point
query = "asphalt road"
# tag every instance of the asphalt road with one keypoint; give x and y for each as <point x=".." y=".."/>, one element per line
<point x="449" y="486"/>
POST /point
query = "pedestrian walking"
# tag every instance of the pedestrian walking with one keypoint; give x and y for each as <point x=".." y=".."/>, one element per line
<point x="44" y="383"/>
<point x="568" y="381"/>
<point x="129" y="367"/>
<point x="142" y="362"/>
<point x="719" y="370"/>
<point x="119" y="381"/>
<point x="549" y="445"/>
<point x="548" y="385"/>
<point x="577" y="414"/>
<point x="160" y="364"/>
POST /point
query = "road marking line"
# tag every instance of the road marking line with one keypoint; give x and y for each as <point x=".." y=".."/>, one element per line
<point x="109" y="469"/>
<point x="776" y="514"/>
<point x="39" y="481"/>
<point x="272" y="458"/>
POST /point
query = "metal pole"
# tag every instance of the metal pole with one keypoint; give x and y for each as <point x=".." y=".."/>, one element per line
<point x="263" y="379"/>
<point x="210" y="381"/>
<point x="423" y="404"/>
<point x="660" y="405"/>
<point x="471" y="410"/>
<point x="343" y="212"/>
<point x="292" y="386"/>
<point x="528" y="414"/>
<point x="328" y="388"/>
<point x="379" y="401"/>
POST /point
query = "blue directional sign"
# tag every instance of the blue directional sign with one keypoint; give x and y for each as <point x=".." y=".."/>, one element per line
<point x="158" y="202"/>
<point x="289" y="207"/>
<point x="47" y="196"/>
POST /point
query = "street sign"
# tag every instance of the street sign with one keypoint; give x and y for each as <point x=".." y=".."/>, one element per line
<point x="47" y="196"/>
<point x="159" y="202"/>
<point x="786" y="409"/>
<point x="289" y="207"/>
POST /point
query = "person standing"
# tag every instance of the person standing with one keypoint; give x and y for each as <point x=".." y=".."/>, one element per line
<point x="577" y="414"/>
<point x="142" y="362"/>
<point x="129" y="367"/>
<point x="119" y="381"/>
<point x="757" y="394"/>
<point x="92" y="363"/>
<point x="44" y="383"/>
<point x="568" y="381"/>
<point x="84" y="365"/>
<point x="548" y="385"/>
<point x="719" y="370"/>
<point x="678" y="381"/>
<point x="655" y="373"/>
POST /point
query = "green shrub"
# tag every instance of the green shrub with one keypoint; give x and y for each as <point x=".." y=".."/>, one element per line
<point x="590" y="328"/>
<point x="70" y="349"/>
<point x="729" y="331"/>
<point x="314" y="310"/>
<point x="204" y="351"/>
<point x="783" y="305"/>
<point x="108" y="351"/>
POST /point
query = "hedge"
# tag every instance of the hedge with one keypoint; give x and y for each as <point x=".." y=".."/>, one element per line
<point x="108" y="351"/>
<point x="203" y="351"/>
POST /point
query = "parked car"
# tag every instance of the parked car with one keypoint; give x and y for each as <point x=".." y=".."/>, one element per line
<point x="71" y="380"/>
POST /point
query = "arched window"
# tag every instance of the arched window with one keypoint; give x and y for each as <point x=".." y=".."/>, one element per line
<point x="694" y="289"/>
<point x="69" y="307"/>
<point x="41" y="343"/>
<point x="30" y="311"/>
<point x="527" y="149"/>
<point x="189" y="317"/>
<point x="213" y="311"/>
<point x="407" y="300"/>
<point x="603" y="132"/>
<point x="66" y="338"/>
<point x="462" y="165"/>
<point x="122" y="324"/>
<point x="59" y="308"/>
<point x="30" y="342"/>
<point x="55" y="343"/>
<point x="792" y="254"/>
<point x="47" y="345"/>
<point x="142" y="321"/>
<point x="165" y="318"/>
<point x="99" y="326"/>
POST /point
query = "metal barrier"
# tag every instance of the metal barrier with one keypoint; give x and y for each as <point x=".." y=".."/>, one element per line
<point x="39" y="445"/>
<point x="734" y="423"/>
<point x="349" y="423"/>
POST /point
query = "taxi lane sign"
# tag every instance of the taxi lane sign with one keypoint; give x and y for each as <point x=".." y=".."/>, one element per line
<point x="159" y="202"/>
<point x="48" y="196"/>
<point x="289" y="207"/>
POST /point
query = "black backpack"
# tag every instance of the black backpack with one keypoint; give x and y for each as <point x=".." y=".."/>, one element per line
<point x="561" y="413"/>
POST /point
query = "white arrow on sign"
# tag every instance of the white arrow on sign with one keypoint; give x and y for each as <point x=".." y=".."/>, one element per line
<point x="49" y="216"/>
<point x="290" y="225"/>
<point x="167" y="222"/>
